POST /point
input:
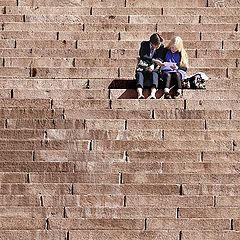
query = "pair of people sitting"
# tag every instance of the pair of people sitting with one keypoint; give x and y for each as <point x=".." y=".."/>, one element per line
<point x="156" y="61"/>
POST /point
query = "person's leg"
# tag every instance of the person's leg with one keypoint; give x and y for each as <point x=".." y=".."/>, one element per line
<point x="167" y="79"/>
<point x="178" y="79"/>
<point x="154" y="79"/>
<point x="139" y="84"/>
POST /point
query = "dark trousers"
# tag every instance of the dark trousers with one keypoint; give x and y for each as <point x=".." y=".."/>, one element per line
<point x="141" y="76"/>
<point x="172" y="78"/>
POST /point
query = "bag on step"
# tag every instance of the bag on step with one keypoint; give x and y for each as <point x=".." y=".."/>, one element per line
<point x="195" y="81"/>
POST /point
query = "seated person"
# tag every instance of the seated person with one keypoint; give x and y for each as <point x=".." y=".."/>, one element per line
<point x="149" y="58"/>
<point x="174" y="66"/>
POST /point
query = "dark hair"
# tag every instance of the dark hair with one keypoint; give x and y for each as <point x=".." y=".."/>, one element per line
<point x="156" y="39"/>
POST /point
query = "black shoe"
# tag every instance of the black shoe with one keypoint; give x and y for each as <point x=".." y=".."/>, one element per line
<point x="178" y="95"/>
<point x="167" y="96"/>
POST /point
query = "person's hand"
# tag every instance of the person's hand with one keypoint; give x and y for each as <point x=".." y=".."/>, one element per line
<point x="174" y="67"/>
<point x="149" y="69"/>
<point x="158" y="62"/>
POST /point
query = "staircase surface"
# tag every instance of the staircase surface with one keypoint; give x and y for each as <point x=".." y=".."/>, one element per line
<point x="82" y="158"/>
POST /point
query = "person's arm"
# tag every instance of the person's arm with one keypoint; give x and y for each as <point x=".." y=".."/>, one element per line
<point x="182" y="68"/>
<point x="143" y="52"/>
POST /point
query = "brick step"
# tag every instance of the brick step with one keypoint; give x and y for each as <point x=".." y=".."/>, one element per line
<point x="47" y="84"/>
<point x="118" y="27"/>
<point x="8" y="223"/>
<point x="32" y="212"/>
<point x="60" y="94"/>
<point x="133" y="36"/>
<point x="121" y="124"/>
<point x="48" y="27"/>
<point x="166" y="10"/>
<point x="51" y="189"/>
<point x="67" y="19"/>
<point x="119" y="234"/>
<point x="112" y="3"/>
<point x="225" y="84"/>
<point x="25" y="134"/>
<point x="187" y="94"/>
<point x="49" y="3"/>
<point x="102" y="178"/>
<point x="180" y="178"/>
<point x="121" y="35"/>
<point x="148" y="114"/>
<point x="208" y="146"/>
<point x="173" y="201"/>
<point x="43" y="124"/>
<point x="54" y="53"/>
<point x="57" y="114"/>
<point x="61" y="10"/>
<point x="125" y="46"/>
<point x="28" y="35"/>
<point x="194" y="36"/>
<point x="129" y="61"/>
<point x="211" y="94"/>
<point x="30" y="113"/>
<point x="122" y="156"/>
<point x="210" y="235"/>
<point x="155" y="234"/>
<point x="158" y="168"/>
<point x="209" y="11"/>
<point x="201" y="3"/>
<point x="11" y="18"/>
<point x="115" y="201"/>
<point x="102" y="72"/>
<point x="202" y="135"/>
<point x="33" y="234"/>
<point x="146" y="124"/>
<point x="25" y="103"/>
<point x="32" y="166"/>
<point x="36" y="189"/>
<point x="130" y="135"/>
<point x="92" y="134"/>
<point x="134" y="27"/>
<point x="183" y="156"/>
<point x="194" y="19"/>
<point x="28" y="134"/>
<point x="118" y="156"/>
<point x="124" y="178"/>
<point x="218" y="105"/>
<point x="125" y="167"/>
<point x="117" y="224"/>
<point x="14" y="178"/>
<point x="86" y="213"/>
<point x="77" y="145"/>
<point x="153" y="224"/>
<point x="122" y="145"/>
<point x="210" y="189"/>
<point x="145" y="19"/>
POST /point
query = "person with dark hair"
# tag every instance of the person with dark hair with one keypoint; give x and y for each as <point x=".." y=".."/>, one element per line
<point x="150" y="58"/>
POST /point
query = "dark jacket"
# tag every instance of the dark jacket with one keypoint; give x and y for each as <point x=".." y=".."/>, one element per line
<point x="164" y="53"/>
<point x="144" y="52"/>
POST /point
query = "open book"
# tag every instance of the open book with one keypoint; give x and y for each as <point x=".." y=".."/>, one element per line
<point x="167" y="66"/>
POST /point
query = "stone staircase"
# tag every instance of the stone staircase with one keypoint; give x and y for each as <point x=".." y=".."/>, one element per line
<point x="82" y="158"/>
